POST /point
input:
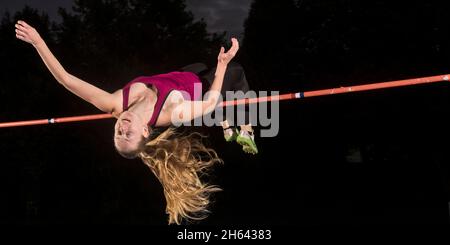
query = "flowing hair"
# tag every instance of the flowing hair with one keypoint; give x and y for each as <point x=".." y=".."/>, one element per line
<point x="179" y="161"/>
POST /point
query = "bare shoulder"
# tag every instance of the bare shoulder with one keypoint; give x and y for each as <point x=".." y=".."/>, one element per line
<point x="117" y="99"/>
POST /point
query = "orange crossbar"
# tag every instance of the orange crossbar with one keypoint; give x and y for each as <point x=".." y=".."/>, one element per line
<point x="292" y="96"/>
<point x="55" y="120"/>
<point x="341" y="90"/>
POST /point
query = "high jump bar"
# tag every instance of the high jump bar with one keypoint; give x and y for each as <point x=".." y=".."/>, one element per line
<point x="291" y="96"/>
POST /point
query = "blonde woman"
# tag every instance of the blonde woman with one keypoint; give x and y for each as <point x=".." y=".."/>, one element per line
<point x="151" y="102"/>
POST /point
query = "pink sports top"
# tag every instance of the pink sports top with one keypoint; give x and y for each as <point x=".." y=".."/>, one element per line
<point x="165" y="84"/>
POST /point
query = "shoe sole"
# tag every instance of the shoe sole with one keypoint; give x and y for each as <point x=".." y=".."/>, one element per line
<point x="249" y="145"/>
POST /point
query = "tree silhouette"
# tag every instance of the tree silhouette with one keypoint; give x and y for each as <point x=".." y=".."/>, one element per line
<point x="106" y="43"/>
<point x="270" y="41"/>
<point x="125" y="38"/>
<point x="69" y="173"/>
<point x="22" y="68"/>
<point x="301" y="45"/>
<point x="316" y="44"/>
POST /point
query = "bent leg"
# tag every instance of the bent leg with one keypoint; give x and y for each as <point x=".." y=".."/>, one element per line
<point x="246" y="136"/>
<point x="235" y="80"/>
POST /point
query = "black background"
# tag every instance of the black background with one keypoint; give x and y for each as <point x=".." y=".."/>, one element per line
<point x="71" y="174"/>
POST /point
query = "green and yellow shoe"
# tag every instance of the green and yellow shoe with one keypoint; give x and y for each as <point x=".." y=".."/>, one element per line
<point x="230" y="134"/>
<point x="247" y="140"/>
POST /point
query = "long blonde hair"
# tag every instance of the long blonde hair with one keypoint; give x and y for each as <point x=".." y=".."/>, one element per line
<point x="179" y="161"/>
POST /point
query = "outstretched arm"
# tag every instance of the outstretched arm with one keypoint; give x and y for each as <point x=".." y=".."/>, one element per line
<point x="101" y="99"/>
<point x="189" y="110"/>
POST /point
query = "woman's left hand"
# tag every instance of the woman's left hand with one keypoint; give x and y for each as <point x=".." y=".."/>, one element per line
<point x="27" y="33"/>
<point x="225" y="58"/>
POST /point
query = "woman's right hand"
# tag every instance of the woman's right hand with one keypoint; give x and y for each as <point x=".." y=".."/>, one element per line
<point x="27" y="33"/>
<point x="225" y="58"/>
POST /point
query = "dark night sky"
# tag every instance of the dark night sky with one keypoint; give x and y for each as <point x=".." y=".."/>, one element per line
<point x="221" y="15"/>
<point x="374" y="157"/>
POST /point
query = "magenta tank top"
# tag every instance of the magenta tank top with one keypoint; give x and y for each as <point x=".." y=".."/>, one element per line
<point x="165" y="84"/>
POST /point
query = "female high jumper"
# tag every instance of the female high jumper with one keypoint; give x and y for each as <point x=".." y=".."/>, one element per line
<point x="148" y="103"/>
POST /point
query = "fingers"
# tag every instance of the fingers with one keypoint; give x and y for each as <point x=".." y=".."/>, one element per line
<point x="21" y="33"/>
<point x="23" y="23"/>
<point x="234" y="48"/>
<point x="20" y="37"/>
<point x="20" y="27"/>
<point x="22" y="30"/>
<point x="23" y="26"/>
<point x="235" y="43"/>
<point x="226" y="57"/>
